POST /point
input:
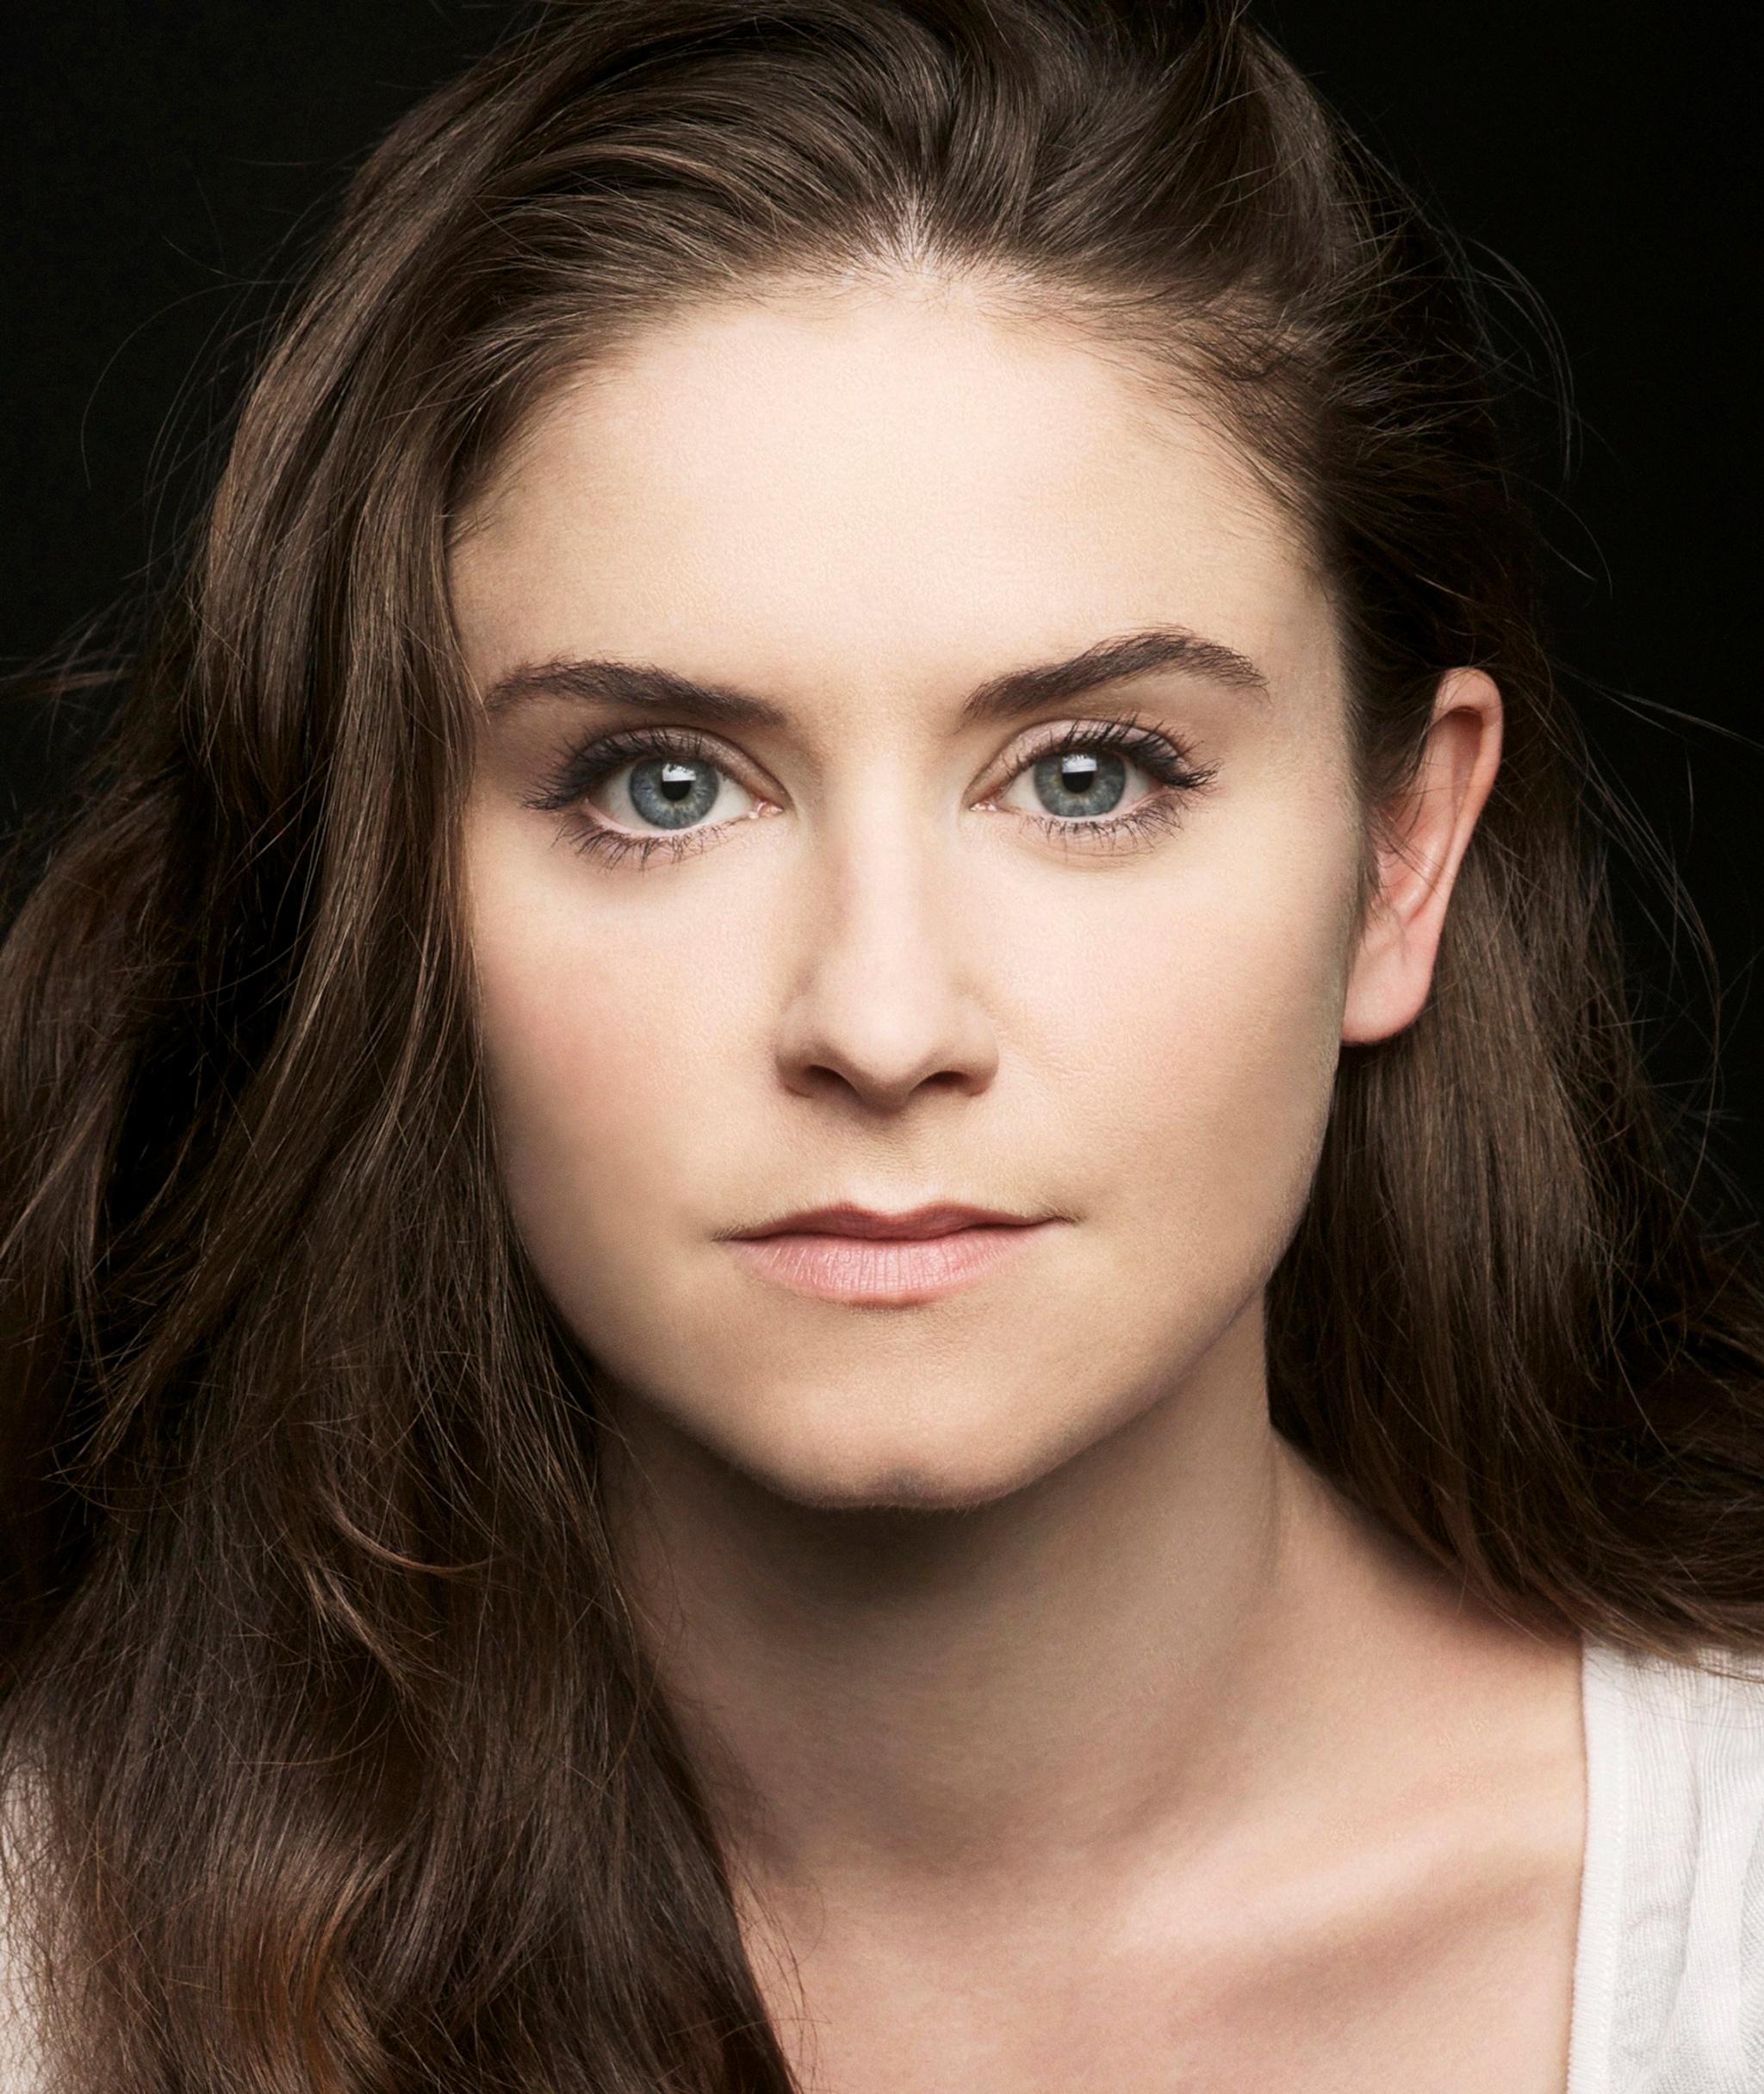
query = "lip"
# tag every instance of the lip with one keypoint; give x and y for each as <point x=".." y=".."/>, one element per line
<point x="859" y="1255"/>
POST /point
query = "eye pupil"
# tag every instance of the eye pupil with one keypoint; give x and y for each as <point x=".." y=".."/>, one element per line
<point x="1080" y="784"/>
<point x="669" y="793"/>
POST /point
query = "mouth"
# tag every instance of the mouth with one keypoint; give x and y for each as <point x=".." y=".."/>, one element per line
<point x="857" y="1255"/>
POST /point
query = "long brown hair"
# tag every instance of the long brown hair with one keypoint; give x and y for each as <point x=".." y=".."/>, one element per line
<point x="334" y="1764"/>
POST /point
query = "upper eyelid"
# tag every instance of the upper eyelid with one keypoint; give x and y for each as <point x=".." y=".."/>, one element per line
<point x="623" y="745"/>
<point x="1118" y="728"/>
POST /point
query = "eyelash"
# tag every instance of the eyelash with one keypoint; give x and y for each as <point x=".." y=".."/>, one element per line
<point x="591" y="763"/>
<point x="1163" y="760"/>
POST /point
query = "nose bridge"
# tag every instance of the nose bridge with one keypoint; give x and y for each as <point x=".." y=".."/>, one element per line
<point x="886" y="997"/>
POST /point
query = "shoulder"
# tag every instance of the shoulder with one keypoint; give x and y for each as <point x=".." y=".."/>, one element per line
<point x="22" y="2064"/>
<point x="1669" y="1980"/>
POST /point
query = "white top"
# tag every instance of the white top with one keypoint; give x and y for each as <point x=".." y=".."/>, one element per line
<point x="1669" y="1972"/>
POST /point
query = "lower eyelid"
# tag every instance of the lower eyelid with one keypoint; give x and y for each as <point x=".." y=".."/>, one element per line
<point x="1143" y="824"/>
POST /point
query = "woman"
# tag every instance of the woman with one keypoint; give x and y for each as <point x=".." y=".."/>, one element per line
<point x="831" y="1258"/>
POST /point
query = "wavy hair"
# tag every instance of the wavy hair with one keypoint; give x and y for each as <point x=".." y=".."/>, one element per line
<point x="337" y="1753"/>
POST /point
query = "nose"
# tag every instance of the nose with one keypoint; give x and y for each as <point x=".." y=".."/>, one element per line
<point x="884" y="1007"/>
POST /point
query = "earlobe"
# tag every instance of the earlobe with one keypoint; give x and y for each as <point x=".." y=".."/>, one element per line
<point x="1421" y="840"/>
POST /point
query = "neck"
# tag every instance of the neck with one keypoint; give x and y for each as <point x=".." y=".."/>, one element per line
<point x="1127" y="1643"/>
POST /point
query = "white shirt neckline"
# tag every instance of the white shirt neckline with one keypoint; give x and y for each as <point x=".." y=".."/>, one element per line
<point x="1669" y="1956"/>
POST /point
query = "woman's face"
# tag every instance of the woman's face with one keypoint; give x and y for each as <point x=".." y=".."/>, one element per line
<point x="913" y="867"/>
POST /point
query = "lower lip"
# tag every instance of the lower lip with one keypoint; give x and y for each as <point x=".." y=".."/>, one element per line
<point x="890" y="1272"/>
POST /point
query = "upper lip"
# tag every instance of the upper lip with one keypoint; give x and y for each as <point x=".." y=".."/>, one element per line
<point x="914" y="1225"/>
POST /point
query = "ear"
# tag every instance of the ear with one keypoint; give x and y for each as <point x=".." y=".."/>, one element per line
<point x="1422" y="840"/>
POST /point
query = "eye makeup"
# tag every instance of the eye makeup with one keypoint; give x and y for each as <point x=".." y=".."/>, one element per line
<point x="638" y="792"/>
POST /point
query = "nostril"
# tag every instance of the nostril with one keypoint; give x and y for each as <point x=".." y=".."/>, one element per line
<point x="871" y="1086"/>
<point x="883" y="1014"/>
<point x="870" y="1083"/>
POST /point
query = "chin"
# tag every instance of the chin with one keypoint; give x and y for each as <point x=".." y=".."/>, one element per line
<point x="906" y="1486"/>
<point x="901" y="1435"/>
<point x="926" y="1467"/>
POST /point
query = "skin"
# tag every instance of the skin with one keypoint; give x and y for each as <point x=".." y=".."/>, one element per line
<point x="1063" y="1730"/>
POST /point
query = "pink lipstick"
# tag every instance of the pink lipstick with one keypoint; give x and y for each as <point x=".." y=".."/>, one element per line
<point x="888" y="1261"/>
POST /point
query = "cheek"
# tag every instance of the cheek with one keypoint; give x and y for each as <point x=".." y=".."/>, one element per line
<point x="1189" y="1026"/>
<point x="615" y="1033"/>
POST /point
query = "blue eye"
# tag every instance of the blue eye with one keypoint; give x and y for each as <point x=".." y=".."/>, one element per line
<point x="672" y="791"/>
<point x="653" y="792"/>
<point x="1078" y="785"/>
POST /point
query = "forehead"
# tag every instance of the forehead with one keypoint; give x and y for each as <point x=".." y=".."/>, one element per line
<point x="887" y="489"/>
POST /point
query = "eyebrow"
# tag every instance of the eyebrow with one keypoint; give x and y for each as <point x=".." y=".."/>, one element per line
<point x="631" y="683"/>
<point x="1137" y="653"/>
<point x="1006" y="697"/>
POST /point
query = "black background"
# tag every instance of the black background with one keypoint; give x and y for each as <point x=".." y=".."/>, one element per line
<point x="164" y="164"/>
